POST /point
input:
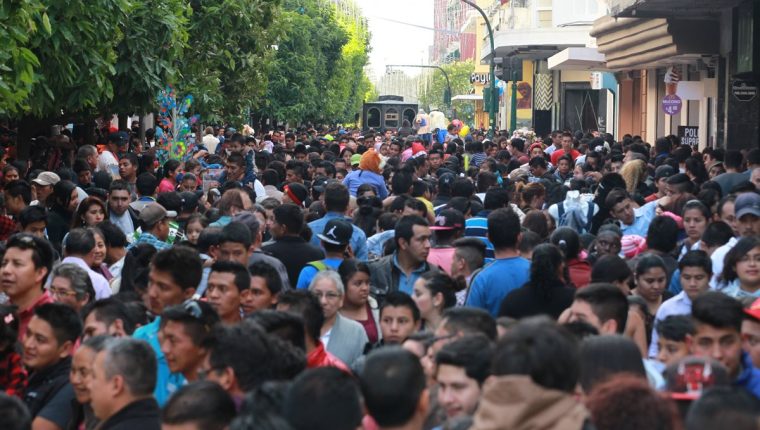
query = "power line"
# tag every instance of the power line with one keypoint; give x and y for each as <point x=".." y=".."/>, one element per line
<point x="442" y="30"/>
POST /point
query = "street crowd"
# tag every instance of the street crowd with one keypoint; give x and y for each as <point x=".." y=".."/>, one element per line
<point x="340" y="279"/>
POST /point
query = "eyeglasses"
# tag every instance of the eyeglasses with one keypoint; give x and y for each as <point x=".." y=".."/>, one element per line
<point x="328" y="295"/>
<point x="60" y="292"/>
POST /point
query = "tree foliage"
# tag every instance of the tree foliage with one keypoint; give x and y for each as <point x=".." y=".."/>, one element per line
<point x="76" y="54"/>
<point x="149" y="54"/>
<point x="83" y="58"/>
<point x="431" y="89"/>
<point x="229" y="47"/>
<point x="18" y="22"/>
<point x="317" y="74"/>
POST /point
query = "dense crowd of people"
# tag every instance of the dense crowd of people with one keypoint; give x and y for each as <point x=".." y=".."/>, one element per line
<point x="329" y="279"/>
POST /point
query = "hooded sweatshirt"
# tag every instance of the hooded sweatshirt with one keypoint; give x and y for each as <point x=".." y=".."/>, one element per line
<point x="515" y="402"/>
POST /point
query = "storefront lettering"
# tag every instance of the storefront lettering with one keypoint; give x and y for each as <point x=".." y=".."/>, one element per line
<point x="744" y="90"/>
<point x="689" y="135"/>
<point x="480" y="78"/>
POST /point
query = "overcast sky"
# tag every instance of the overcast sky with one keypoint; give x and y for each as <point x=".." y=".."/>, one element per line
<point x="394" y="43"/>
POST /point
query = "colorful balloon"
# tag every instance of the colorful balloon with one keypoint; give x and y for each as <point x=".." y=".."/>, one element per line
<point x="464" y="131"/>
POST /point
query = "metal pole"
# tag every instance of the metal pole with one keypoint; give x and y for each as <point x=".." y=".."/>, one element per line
<point x="445" y="75"/>
<point x="492" y="108"/>
<point x="513" y="104"/>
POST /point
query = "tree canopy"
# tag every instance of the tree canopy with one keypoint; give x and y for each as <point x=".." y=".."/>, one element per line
<point x="432" y="88"/>
<point x="292" y="60"/>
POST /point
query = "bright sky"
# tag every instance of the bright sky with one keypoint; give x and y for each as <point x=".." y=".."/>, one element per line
<point x="394" y="43"/>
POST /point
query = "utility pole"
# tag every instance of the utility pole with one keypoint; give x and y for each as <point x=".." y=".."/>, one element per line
<point x="492" y="106"/>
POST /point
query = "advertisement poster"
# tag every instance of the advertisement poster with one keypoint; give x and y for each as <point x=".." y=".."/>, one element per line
<point x="524" y="96"/>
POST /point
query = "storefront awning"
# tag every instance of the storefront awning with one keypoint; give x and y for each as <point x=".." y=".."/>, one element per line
<point x="577" y="59"/>
<point x="471" y="97"/>
<point x="633" y="43"/>
<point x="535" y="43"/>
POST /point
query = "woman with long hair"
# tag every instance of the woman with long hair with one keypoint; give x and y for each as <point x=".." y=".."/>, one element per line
<point x="741" y="270"/>
<point x="695" y="169"/>
<point x="546" y="292"/>
<point x="434" y="292"/>
<point x="358" y="305"/>
<point x="651" y="280"/>
<point x="634" y="174"/>
<point x="696" y="217"/>
<point x="169" y="181"/>
<point x="62" y="204"/>
<point x="91" y="212"/>
<point x="532" y="196"/>
<point x="568" y="241"/>
<point x="98" y="264"/>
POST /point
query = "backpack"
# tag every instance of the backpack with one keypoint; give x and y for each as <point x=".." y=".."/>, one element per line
<point x="319" y="265"/>
<point x="574" y="218"/>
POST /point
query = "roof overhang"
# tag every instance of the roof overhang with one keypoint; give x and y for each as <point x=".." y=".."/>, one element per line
<point x="578" y="59"/>
<point x="669" y="8"/>
<point x="634" y="43"/>
<point x="535" y="43"/>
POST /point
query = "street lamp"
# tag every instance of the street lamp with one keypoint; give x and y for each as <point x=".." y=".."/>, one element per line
<point x="446" y="93"/>
<point x="493" y="99"/>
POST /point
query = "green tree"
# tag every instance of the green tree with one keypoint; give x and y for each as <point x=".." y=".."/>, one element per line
<point x="77" y="56"/>
<point x="149" y="54"/>
<point x="347" y="87"/>
<point x="225" y="67"/>
<point x="18" y="64"/>
<point x="431" y="89"/>
<point x="305" y="63"/>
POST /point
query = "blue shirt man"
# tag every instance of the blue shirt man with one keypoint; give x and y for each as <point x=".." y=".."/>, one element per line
<point x="634" y="221"/>
<point x="334" y="239"/>
<point x="174" y="276"/>
<point x="507" y="272"/>
<point x="336" y="199"/>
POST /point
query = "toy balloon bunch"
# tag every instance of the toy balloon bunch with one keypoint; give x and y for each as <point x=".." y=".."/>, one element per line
<point x="173" y="137"/>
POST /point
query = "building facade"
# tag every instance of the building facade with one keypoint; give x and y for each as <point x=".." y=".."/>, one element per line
<point x="526" y="34"/>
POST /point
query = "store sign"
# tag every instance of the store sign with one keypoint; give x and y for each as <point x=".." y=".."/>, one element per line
<point x="744" y="90"/>
<point x="671" y="104"/>
<point x="596" y="80"/>
<point x="480" y="78"/>
<point x="689" y="135"/>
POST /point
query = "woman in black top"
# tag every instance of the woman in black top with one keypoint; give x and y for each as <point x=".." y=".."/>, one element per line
<point x="547" y="292"/>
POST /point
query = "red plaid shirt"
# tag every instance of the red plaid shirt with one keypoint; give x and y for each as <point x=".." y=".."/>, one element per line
<point x="7" y="227"/>
<point x="12" y="375"/>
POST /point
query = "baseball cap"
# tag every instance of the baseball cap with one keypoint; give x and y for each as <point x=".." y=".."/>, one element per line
<point x="448" y="219"/>
<point x="690" y="377"/>
<point x="337" y="232"/>
<point x="754" y="310"/>
<point x="119" y="138"/>
<point x="747" y="203"/>
<point x="46" y="178"/>
<point x="445" y="180"/>
<point x="319" y="183"/>
<point x="355" y="159"/>
<point x="153" y="213"/>
<point x="189" y="200"/>
<point x="664" y="171"/>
